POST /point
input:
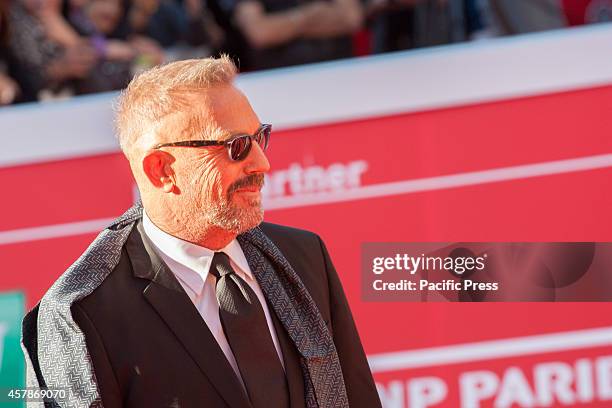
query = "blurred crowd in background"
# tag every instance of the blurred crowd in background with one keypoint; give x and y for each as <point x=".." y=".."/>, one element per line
<point x="52" y="49"/>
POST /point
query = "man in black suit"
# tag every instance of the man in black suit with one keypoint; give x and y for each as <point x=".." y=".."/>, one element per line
<point x="189" y="300"/>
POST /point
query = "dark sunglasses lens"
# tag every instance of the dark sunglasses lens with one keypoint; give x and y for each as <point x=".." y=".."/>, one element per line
<point x="263" y="137"/>
<point x="240" y="147"/>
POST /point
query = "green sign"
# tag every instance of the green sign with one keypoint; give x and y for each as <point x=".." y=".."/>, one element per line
<point x="12" y="370"/>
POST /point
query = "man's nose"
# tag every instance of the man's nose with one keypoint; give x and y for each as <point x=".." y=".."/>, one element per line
<point x="256" y="161"/>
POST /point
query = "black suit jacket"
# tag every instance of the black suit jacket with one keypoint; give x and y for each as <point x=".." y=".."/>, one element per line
<point x="151" y="348"/>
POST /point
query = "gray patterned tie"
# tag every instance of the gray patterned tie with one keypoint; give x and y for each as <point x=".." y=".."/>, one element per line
<point x="247" y="332"/>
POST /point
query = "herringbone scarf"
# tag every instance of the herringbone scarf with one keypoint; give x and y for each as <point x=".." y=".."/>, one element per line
<point x="55" y="349"/>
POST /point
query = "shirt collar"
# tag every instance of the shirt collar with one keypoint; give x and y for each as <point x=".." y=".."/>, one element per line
<point x="196" y="258"/>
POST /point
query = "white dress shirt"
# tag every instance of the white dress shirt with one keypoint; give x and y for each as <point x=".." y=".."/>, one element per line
<point x="190" y="264"/>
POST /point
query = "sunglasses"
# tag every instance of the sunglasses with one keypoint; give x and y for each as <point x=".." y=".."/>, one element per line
<point x="238" y="146"/>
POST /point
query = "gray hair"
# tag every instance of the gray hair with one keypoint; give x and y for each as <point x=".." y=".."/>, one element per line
<point x="163" y="90"/>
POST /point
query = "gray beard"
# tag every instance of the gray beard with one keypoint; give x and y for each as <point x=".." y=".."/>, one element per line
<point x="228" y="217"/>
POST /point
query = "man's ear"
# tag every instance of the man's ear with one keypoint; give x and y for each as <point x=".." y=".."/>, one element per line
<point x="157" y="165"/>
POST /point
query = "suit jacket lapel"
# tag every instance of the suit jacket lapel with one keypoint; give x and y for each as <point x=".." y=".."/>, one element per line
<point x="291" y="359"/>
<point x="167" y="297"/>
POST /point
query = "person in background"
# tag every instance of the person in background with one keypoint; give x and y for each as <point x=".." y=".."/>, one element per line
<point x="391" y="24"/>
<point x="406" y="24"/>
<point x="263" y="34"/>
<point x="118" y="59"/>
<point x="47" y="54"/>
<point x="526" y="16"/>
<point x="53" y="58"/>
<point x="9" y="90"/>
<point x="169" y="23"/>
